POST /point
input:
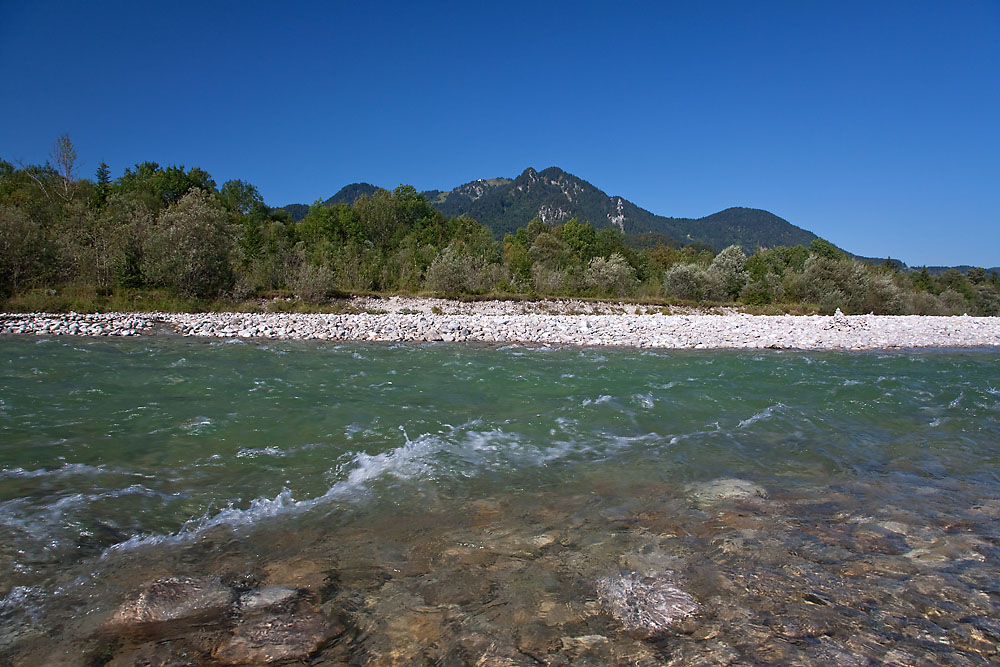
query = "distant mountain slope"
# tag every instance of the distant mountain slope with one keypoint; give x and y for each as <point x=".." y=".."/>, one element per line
<point x="505" y="204"/>
<point x="348" y="193"/>
<point x="296" y="211"/>
<point x="555" y="196"/>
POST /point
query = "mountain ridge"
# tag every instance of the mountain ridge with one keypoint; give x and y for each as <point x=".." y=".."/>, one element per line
<point x="556" y="196"/>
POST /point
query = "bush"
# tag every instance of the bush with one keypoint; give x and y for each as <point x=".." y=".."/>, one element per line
<point x="883" y="297"/>
<point x="684" y="281"/>
<point x="769" y="289"/>
<point x="613" y="275"/>
<point x="189" y="247"/>
<point x="730" y="266"/>
<point x="487" y="278"/>
<point x="314" y="282"/>
<point x="953" y="303"/>
<point x="987" y="301"/>
<point x="922" y="303"/>
<point x="455" y="271"/>
<point x="546" y="280"/>
<point x="22" y="248"/>
<point x="832" y="284"/>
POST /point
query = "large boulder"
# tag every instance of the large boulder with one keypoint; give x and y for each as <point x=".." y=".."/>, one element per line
<point x="173" y="600"/>
<point x="646" y="606"/>
<point x="270" y="638"/>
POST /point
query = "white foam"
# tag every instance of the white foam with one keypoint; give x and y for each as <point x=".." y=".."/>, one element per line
<point x="645" y="400"/>
<point x="22" y="598"/>
<point x="197" y="425"/>
<point x="459" y="451"/>
<point x="65" y="470"/>
<point x="250" y="453"/>
<point x="766" y="413"/>
<point x="597" y="401"/>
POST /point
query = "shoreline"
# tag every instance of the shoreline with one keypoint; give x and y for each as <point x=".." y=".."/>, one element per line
<point x="554" y="322"/>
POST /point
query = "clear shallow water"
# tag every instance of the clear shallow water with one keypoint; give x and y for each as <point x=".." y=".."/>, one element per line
<point x="448" y="502"/>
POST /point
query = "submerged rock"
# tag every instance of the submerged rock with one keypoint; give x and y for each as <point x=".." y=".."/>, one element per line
<point x="646" y="606"/>
<point x="707" y="493"/>
<point x="173" y="599"/>
<point x="270" y="638"/>
<point x="268" y="597"/>
<point x="160" y="654"/>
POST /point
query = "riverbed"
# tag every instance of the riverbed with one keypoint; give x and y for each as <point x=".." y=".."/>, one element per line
<point x="199" y="500"/>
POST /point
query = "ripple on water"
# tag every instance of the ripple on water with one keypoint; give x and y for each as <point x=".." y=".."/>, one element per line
<point x="810" y="519"/>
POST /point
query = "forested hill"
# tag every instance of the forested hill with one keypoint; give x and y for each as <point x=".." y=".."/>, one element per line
<point x="554" y="196"/>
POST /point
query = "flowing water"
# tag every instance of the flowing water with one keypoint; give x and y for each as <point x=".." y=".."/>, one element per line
<point x="452" y="504"/>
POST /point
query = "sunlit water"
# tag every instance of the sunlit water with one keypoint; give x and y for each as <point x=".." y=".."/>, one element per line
<point x="449" y="502"/>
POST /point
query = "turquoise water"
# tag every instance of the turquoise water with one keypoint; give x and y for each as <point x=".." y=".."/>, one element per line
<point x="477" y="484"/>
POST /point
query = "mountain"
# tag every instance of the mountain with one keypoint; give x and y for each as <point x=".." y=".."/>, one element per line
<point x="348" y="193"/>
<point x="505" y="204"/>
<point x="555" y="196"/>
<point x="296" y="211"/>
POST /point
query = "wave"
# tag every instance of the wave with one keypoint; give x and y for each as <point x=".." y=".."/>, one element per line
<point x="597" y="401"/>
<point x="458" y="452"/>
<point x="250" y="453"/>
<point x="65" y="470"/>
<point x="764" y="414"/>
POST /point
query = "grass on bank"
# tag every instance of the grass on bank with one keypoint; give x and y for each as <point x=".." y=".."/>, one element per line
<point x="88" y="299"/>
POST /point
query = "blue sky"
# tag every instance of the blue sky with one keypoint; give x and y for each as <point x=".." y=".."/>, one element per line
<point x="874" y="124"/>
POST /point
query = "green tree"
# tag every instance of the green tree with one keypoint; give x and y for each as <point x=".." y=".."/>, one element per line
<point x="976" y="275"/>
<point x="189" y="247"/>
<point x="823" y="248"/>
<point x="102" y="185"/>
<point x="730" y="268"/>
<point x="22" y="249"/>
<point x="241" y="198"/>
<point x="580" y="237"/>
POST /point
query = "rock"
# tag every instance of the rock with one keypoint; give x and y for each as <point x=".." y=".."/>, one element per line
<point x="269" y="597"/>
<point x="153" y="654"/>
<point x="708" y="493"/>
<point x="646" y="606"/>
<point x="537" y="639"/>
<point x="299" y="573"/>
<point x="173" y="599"/>
<point x="457" y="588"/>
<point x="270" y="638"/>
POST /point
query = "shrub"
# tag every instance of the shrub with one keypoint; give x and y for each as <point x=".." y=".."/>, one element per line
<point x="768" y="289"/>
<point x="730" y="266"/>
<point x="883" y="297"/>
<point x="189" y="247"/>
<point x="22" y="247"/>
<point x="953" y="303"/>
<point x="449" y="272"/>
<point x="832" y="284"/>
<point x="314" y="282"/>
<point x="922" y="303"/>
<point x="987" y="301"/>
<point x="612" y="275"/>
<point x="455" y="271"/>
<point x="684" y="281"/>
<point x="547" y="280"/>
<point x="488" y="278"/>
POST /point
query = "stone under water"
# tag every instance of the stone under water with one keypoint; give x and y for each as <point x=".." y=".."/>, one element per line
<point x="646" y="606"/>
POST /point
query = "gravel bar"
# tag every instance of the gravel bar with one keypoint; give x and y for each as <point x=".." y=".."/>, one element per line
<point x="543" y="323"/>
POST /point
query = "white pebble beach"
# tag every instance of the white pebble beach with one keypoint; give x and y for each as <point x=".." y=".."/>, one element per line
<point x="551" y="322"/>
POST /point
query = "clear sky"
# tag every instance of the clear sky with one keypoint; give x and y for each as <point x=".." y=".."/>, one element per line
<point x="873" y="124"/>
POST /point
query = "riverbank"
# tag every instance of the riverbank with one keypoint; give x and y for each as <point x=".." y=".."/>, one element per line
<point x="534" y="322"/>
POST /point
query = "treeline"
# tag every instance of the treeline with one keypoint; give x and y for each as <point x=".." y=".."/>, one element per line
<point x="173" y="229"/>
